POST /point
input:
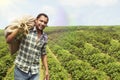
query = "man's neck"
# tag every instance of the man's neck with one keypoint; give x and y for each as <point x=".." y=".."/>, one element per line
<point x="39" y="32"/>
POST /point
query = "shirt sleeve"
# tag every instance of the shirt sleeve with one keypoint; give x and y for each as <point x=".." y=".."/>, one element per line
<point x="43" y="50"/>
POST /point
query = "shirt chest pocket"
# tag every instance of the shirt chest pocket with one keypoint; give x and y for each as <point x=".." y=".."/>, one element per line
<point x="40" y="44"/>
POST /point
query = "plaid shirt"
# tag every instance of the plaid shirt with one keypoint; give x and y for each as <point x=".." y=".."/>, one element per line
<point x="30" y="51"/>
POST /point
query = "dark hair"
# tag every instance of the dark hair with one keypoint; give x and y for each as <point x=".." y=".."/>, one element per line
<point x="42" y="14"/>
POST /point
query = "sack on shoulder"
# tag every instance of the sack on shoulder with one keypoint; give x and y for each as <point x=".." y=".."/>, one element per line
<point x="24" y="25"/>
<point x="14" y="45"/>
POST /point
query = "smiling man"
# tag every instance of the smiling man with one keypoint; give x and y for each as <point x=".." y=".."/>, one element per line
<point x="32" y="48"/>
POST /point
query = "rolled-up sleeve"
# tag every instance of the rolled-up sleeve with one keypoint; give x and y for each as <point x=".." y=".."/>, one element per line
<point x="43" y="50"/>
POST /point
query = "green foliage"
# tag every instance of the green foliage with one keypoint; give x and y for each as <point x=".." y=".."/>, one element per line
<point x="78" y="53"/>
<point x="94" y="75"/>
<point x="100" y="60"/>
<point x="113" y="70"/>
<point x="95" y="45"/>
<point x="5" y="63"/>
<point x="56" y="71"/>
<point x="6" y="60"/>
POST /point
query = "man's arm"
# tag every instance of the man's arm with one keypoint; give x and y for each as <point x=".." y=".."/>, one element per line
<point x="44" y="61"/>
<point x="10" y="37"/>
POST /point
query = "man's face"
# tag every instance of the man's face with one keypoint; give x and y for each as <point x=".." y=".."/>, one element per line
<point x="41" y="22"/>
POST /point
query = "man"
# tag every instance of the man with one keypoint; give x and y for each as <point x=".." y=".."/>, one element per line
<point x="31" y="49"/>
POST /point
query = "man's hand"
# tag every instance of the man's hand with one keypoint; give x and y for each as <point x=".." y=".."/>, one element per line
<point x="10" y="37"/>
<point x="44" y="61"/>
<point x="46" y="76"/>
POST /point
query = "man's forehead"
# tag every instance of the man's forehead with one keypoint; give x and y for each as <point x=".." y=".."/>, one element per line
<point x="43" y="18"/>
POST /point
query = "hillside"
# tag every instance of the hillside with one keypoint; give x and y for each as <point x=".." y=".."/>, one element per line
<point x="75" y="53"/>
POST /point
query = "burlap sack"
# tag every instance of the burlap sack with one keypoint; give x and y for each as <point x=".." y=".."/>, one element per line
<point x="14" y="46"/>
<point x="23" y="24"/>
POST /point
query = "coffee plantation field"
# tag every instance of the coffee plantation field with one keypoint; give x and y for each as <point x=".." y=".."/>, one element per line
<point x="74" y="53"/>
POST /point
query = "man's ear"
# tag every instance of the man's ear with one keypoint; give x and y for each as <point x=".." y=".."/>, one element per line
<point x="35" y="20"/>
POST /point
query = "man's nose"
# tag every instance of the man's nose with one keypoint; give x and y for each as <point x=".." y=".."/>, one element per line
<point x="43" y="23"/>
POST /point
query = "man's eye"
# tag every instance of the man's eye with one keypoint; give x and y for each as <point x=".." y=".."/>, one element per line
<point x="41" y="20"/>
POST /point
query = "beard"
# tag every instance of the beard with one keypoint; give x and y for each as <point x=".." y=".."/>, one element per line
<point x="40" y="28"/>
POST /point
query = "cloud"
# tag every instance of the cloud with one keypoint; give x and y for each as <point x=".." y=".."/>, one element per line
<point x="56" y="14"/>
<point x="75" y="3"/>
<point x="4" y="3"/>
<point x="106" y="2"/>
<point x="10" y="10"/>
<point x="79" y="3"/>
<point x="63" y="12"/>
<point x="48" y="9"/>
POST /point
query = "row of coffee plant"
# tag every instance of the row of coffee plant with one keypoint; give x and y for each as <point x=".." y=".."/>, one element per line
<point x="6" y="60"/>
<point x="102" y="40"/>
<point x="79" y="70"/>
<point x="56" y="70"/>
<point x="100" y="50"/>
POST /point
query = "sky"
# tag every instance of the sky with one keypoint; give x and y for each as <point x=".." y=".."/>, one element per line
<point x="63" y="12"/>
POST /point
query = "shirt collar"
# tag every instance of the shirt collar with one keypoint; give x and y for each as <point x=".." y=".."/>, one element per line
<point x="35" y="30"/>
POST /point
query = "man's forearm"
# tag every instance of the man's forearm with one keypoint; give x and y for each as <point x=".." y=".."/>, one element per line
<point x="10" y="37"/>
<point x="44" y="61"/>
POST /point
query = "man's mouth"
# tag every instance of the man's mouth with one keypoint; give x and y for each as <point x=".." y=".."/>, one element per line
<point x="40" y="27"/>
